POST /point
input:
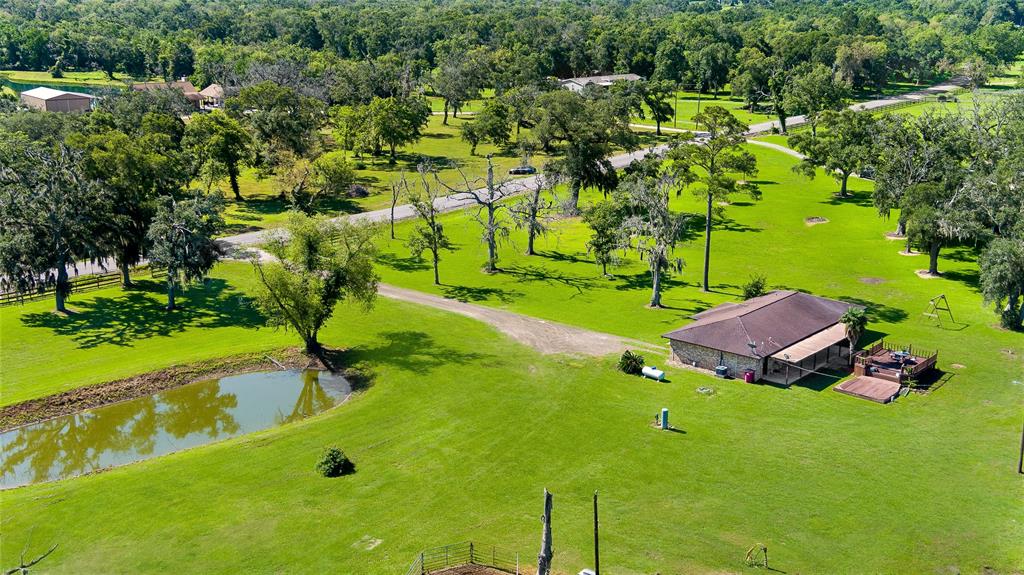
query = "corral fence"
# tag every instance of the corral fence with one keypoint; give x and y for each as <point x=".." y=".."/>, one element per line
<point x="43" y="287"/>
<point x="450" y="557"/>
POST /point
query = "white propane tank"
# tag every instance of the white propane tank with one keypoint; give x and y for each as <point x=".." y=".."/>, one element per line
<point x="653" y="372"/>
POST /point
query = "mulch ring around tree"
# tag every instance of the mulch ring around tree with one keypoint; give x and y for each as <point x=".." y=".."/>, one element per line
<point x="75" y="400"/>
<point x="873" y="281"/>
<point x="815" y="220"/>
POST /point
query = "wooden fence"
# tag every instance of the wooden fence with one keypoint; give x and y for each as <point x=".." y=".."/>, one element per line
<point x="44" y="287"/>
<point x="460" y="554"/>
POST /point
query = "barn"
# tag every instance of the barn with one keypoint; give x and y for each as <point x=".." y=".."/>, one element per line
<point x="50" y="100"/>
<point x="780" y="337"/>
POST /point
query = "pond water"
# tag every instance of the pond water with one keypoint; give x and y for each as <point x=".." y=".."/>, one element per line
<point x="164" y="422"/>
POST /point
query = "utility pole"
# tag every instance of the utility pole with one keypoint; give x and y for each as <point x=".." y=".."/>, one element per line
<point x="597" y="552"/>
<point x="544" y="557"/>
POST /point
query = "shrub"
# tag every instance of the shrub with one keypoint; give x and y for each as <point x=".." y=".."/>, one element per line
<point x="631" y="362"/>
<point x="359" y="165"/>
<point x="334" y="463"/>
<point x="757" y="286"/>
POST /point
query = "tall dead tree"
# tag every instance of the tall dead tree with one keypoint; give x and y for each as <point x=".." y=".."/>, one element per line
<point x="490" y="200"/>
<point x="533" y="212"/>
<point x="545" y="555"/>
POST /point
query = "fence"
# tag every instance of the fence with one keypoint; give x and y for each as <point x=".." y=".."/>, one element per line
<point x="45" y="286"/>
<point x="461" y="554"/>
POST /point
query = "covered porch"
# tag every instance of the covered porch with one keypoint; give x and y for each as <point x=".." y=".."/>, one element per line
<point x="827" y="348"/>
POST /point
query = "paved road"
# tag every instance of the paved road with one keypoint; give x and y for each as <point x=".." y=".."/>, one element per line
<point x="944" y="88"/>
<point x="544" y="336"/>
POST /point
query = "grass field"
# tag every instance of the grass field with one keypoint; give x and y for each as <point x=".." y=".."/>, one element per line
<point x="78" y="78"/>
<point x="455" y="440"/>
<point x="442" y="145"/>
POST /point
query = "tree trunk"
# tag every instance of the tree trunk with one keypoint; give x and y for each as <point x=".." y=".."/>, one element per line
<point x="933" y="257"/>
<point x="604" y="268"/>
<point x="657" y="124"/>
<point x="545" y="555"/>
<point x="392" y="147"/>
<point x="707" y="243"/>
<point x="530" y="233"/>
<point x="170" y="291"/>
<point x="312" y="345"/>
<point x="437" y="274"/>
<point x="572" y="204"/>
<point x="842" y="187"/>
<point x="62" y="286"/>
<point x="233" y="179"/>
<point x="445" y="121"/>
<point x="656" y="286"/>
<point x="901" y="227"/>
<point x="126" y="280"/>
<point x="394" y="201"/>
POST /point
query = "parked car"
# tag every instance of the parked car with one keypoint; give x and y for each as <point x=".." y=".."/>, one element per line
<point x="522" y="170"/>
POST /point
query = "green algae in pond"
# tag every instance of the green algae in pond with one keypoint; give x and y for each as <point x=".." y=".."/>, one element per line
<point x="161" y="423"/>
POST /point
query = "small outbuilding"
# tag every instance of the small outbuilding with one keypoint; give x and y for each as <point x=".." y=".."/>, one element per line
<point x="779" y="337"/>
<point x="578" y="84"/>
<point x="213" y="96"/>
<point x="50" y="100"/>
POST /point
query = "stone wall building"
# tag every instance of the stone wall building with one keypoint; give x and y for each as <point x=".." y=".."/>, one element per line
<point x="781" y="337"/>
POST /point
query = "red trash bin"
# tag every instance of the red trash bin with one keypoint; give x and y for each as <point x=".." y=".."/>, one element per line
<point x="748" y="375"/>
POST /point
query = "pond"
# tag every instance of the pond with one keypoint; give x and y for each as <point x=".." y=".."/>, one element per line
<point x="164" y="422"/>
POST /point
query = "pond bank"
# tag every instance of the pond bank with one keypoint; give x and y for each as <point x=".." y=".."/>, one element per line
<point x="75" y="400"/>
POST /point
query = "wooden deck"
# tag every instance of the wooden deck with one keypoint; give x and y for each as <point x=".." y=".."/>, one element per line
<point x="870" y="388"/>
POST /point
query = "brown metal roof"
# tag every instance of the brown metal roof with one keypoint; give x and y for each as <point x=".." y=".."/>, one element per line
<point x="771" y="322"/>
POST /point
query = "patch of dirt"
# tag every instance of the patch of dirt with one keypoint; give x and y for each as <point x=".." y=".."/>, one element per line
<point x="923" y="274"/>
<point x="75" y="400"/>
<point x="545" y="336"/>
<point x="910" y="253"/>
<point x="894" y="236"/>
<point x="1008" y="351"/>
<point x="873" y="281"/>
<point x="957" y="366"/>
<point x="815" y="220"/>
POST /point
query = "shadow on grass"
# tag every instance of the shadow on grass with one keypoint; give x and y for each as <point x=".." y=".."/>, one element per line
<point x="408" y="350"/>
<point x="856" y="198"/>
<point x="407" y="264"/>
<point x="469" y="294"/>
<point x="822" y="381"/>
<point x="878" y="311"/>
<point x="535" y="273"/>
<point x="970" y="278"/>
<point x="133" y="315"/>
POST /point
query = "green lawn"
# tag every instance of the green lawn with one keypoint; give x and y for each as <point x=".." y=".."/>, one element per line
<point x="79" y="78"/>
<point x="442" y="145"/>
<point x="686" y="108"/>
<point x="456" y="440"/>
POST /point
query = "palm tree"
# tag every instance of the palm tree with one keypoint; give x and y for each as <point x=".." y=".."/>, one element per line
<point x="855" y="320"/>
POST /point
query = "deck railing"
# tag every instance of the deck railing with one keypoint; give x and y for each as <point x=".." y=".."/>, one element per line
<point x="467" y="553"/>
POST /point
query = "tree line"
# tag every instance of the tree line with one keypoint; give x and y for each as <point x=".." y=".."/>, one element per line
<point x="357" y="50"/>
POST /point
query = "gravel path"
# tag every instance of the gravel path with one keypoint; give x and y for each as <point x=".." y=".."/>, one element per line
<point x="544" y="336"/>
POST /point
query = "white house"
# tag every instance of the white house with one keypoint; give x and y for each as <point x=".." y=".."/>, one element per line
<point x="577" y="84"/>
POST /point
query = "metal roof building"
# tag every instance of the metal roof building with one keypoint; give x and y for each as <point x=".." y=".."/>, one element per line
<point x="50" y="100"/>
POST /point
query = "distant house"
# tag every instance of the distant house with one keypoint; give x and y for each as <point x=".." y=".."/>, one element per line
<point x="50" y="100"/>
<point x="213" y="96"/>
<point x="781" y="337"/>
<point x="183" y="85"/>
<point x="578" y="84"/>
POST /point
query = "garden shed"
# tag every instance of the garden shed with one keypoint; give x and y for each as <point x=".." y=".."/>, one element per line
<point x="781" y="337"/>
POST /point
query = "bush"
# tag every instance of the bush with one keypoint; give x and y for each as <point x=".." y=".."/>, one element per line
<point x="631" y="362"/>
<point x="359" y="165"/>
<point x="334" y="463"/>
<point x="757" y="286"/>
<point x="332" y="173"/>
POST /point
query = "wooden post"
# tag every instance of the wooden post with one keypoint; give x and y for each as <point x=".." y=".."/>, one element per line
<point x="544" y="557"/>
<point x="1020" y="461"/>
<point x="597" y="552"/>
